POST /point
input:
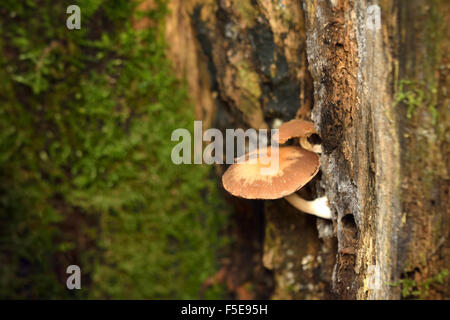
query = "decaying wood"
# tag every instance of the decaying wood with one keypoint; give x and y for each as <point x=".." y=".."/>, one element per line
<point x="385" y="161"/>
<point x="254" y="53"/>
<point x="374" y="177"/>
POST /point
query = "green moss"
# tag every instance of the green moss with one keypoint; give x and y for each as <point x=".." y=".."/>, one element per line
<point x="273" y="70"/>
<point x="269" y="239"/>
<point x="246" y="10"/>
<point x="85" y="170"/>
<point x="422" y="131"/>
<point x="411" y="289"/>
<point x="415" y="96"/>
<point x="248" y="81"/>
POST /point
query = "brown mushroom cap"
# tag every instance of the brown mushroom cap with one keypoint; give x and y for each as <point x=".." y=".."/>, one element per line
<point x="293" y="129"/>
<point x="296" y="167"/>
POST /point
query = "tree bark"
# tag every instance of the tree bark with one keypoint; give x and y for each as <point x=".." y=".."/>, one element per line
<point x="378" y="95"/>
<point x="384" y="170"/>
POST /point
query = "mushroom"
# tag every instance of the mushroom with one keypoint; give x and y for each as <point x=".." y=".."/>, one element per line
<point x="296" y="167"/>
<point x="297" y="128"/>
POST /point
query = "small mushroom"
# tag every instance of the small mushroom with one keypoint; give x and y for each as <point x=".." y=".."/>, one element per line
<point x="297" y="128"/>
<point x="296" y="167"/>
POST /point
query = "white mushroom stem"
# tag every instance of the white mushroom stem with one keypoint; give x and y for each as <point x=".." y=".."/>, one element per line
<point x="317" y="148"/>
<point x="318" y="207"/>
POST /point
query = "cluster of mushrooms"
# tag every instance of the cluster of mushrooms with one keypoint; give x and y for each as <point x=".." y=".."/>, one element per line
<point x="297" y="166"/>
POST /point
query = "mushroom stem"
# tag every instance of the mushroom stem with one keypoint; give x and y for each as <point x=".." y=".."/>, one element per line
<point x="304" y="143"/>
<point x="318" y="207"/>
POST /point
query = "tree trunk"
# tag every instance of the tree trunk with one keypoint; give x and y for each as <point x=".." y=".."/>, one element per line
<point x="377" y="90"/>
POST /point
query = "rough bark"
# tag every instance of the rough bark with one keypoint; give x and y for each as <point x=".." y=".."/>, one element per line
<point x="385" y="162"/>
<point x="385" y="175"/>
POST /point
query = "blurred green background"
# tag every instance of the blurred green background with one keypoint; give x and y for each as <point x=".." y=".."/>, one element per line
<point x="85" y="173"/>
